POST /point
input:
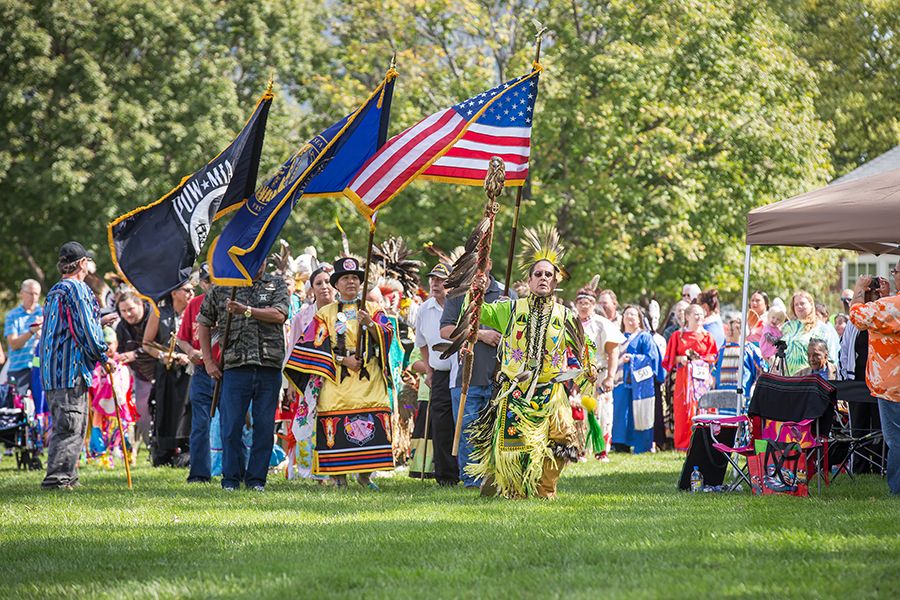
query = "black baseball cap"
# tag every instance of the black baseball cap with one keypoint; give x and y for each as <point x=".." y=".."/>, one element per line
<point x="71" y="252"/>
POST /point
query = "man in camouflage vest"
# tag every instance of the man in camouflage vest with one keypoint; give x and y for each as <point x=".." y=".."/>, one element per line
<point x="254" y="353"/>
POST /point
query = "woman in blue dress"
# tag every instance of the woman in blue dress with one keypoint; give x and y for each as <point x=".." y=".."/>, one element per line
<point x="634" y="395"/>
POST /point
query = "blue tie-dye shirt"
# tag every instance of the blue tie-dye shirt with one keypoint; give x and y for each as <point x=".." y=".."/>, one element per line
<point x="71" y="340"/>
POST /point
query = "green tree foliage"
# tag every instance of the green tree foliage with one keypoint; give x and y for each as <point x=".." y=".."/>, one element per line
<point x="852" y="47"/>
<point x="105" y="105"/>
<point x="659" y="124"/>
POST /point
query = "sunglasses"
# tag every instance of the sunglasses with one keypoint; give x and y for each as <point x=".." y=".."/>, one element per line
<point x="547" y="274"/>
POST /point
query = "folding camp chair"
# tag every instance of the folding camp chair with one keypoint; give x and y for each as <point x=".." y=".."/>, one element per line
<point x="719" y="409"/>
<point x="789" y="401"/>
<point x="742" y="445"/>
<point x="864" y="445"/>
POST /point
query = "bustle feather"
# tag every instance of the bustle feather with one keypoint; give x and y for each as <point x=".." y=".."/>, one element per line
<point x="393" y="258"/>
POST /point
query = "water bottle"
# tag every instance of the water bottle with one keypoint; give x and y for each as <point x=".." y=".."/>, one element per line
<point x="696" y="480"/>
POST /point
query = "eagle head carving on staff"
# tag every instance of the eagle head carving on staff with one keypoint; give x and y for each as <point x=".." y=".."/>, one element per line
<point x="496" y="177"/>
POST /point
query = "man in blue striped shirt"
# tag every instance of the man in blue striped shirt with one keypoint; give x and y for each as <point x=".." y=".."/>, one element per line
<point x="71" y="345"/>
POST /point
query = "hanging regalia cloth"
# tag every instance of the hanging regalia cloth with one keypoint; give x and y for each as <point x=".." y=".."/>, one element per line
<point x="353" y="414"/>
<point x="526" y="433"/>
<point x="169" y="406"/>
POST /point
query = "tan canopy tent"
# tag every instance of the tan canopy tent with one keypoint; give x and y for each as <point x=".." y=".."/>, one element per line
<point x="860" y="211"/>
<point x="860" y="214"/>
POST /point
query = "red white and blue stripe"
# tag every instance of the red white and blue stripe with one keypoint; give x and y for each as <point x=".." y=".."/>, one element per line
<point x="454" y="145"/>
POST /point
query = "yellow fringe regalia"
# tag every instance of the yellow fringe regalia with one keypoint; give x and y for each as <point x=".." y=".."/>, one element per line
<point x="528" y="427"/>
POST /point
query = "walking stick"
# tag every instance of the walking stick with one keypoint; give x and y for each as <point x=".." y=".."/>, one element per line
<point x="125" y="457"/>
<point x="467" y="330"/>
<point x="217" y="390"/>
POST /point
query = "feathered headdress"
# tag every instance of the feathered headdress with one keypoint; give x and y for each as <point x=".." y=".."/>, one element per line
<point x="590" y="290"/>
<point x="393" y="257"/>
<point x="345" y="242"/>
<point x="542" y="243"/>
<point x="288" y="267"/>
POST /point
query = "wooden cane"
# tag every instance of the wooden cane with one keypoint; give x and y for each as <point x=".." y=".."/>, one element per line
<point x="125" y="457"/>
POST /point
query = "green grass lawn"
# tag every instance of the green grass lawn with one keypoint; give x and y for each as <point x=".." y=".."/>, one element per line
<point x="617" y="530"/>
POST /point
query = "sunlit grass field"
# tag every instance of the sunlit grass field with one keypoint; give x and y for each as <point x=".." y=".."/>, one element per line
<point x="618" y="530"/>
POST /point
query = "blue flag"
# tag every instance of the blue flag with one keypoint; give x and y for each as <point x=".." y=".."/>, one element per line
<point x="321" y="168"/>
<point x="154" y="247"/>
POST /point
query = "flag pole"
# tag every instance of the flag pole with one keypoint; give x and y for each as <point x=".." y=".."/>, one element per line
<point x="515" y="225"/>
<point x="365" y="292"/>
<point x="512" y="241"/>
<point x="223" y="345"/>
<point x="125" y="457"/>
<point x="425" y="437"/>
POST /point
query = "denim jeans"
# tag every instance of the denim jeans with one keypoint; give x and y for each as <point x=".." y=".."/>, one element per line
<point x="215" y="444"/>
<point x="476" y="400"/>
<point x="201" y="392"/>
<point x="890" y="427"/>
<point x="240" y="387"/>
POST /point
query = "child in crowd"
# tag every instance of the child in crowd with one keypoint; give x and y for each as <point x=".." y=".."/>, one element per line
<point x="105" y="440"/>
<point x="772" y="332"/>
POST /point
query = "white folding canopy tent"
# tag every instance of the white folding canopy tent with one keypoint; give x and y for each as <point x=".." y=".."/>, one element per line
<point x="853" y="213"/>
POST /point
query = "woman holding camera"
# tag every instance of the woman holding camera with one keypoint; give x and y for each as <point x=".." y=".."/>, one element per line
<point x="806" y="325"/>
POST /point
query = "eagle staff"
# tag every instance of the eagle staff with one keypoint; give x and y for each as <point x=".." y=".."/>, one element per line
<point x="463" y="278"/>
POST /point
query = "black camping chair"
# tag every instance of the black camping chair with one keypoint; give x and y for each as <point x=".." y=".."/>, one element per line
<point x="863" y="444"/>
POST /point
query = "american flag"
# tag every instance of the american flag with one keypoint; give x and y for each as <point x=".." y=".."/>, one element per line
<point x="454" y="145"/>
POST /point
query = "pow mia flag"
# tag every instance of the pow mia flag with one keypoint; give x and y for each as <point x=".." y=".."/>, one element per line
<point x="154" y="247"/>
<point x="322" y="167"/>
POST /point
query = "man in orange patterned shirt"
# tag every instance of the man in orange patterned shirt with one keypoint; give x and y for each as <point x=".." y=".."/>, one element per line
<point x="881" y="318"/>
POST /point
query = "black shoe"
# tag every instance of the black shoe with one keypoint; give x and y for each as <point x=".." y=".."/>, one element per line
<point x="447" y="482"/>
<point x="198" y="479"/>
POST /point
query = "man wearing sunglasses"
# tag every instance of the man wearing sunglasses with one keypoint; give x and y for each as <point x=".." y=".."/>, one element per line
<point x="526" y="435"/>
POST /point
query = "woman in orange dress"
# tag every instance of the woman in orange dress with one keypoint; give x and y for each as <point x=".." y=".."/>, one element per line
<point x="688" y="349"/>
